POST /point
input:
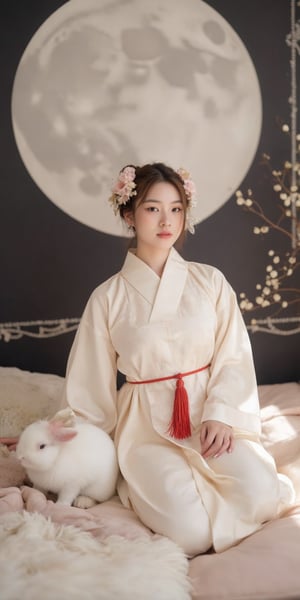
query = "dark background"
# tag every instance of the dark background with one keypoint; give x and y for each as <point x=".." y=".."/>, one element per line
<point x="50" y="263"/>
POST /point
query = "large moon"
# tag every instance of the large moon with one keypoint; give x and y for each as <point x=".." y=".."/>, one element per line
<point x="105" y="83"/>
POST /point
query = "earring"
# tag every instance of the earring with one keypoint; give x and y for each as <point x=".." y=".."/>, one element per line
<point x="131" y="229"/>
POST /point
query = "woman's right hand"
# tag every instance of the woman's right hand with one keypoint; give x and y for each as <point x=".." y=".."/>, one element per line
<point x="216" y="438"/>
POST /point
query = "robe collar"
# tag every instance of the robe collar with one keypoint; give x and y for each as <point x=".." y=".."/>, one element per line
<point x="163" y="293"/>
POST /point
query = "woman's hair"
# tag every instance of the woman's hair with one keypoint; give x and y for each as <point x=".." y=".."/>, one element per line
<point x="148" y="175"/>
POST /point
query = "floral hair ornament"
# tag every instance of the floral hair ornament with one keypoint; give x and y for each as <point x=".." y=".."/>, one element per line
<point x="123" y="189"/>
<point x="190" y="191"/>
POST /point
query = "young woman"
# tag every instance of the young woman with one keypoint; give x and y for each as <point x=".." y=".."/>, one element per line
<point x="186" y="423"/>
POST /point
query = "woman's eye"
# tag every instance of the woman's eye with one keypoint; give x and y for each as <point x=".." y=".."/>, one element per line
<point x="177" y="209"/>
<point x="152" y="208"/>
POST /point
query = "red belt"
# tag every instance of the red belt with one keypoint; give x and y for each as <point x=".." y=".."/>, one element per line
<point x="180" y="426"/>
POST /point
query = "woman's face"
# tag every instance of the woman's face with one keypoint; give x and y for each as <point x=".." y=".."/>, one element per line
<point x="159" y="219"/>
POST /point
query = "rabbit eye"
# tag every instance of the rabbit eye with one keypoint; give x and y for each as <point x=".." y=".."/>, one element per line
<point x="41" y="446"/>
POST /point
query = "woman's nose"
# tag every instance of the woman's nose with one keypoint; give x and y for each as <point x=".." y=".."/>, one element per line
<point x="165" y="221"/>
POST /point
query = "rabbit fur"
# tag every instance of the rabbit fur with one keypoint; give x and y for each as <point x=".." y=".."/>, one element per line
<point x="72" y="462"/>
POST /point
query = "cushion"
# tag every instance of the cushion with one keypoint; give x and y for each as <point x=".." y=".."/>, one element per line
<point x="26" y="397"/>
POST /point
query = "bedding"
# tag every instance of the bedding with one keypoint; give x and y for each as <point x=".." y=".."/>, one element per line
<point x="105" y="552"/>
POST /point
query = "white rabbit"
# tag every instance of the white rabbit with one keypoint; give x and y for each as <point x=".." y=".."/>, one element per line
<point x="77" y="463"/>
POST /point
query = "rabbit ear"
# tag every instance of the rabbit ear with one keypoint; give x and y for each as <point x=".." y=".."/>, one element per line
<point x="65" y="416"/>
<point x="60" y="433"/>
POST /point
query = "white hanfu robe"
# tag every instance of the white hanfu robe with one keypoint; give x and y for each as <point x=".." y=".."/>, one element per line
<point x="149" y="327"/>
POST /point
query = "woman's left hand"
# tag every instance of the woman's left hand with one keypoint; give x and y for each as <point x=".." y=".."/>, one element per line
<point x="216" y="438"/>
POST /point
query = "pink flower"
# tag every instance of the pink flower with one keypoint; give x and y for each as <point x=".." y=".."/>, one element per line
<point x="188" y="184"/>
<point x="128" y="174"/>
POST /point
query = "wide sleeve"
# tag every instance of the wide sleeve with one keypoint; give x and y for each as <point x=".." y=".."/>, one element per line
<point x="90" y="388"/>
<point x="232" y="390"/>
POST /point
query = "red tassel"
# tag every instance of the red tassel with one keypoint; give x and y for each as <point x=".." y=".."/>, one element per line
<point x="180" y="426"/>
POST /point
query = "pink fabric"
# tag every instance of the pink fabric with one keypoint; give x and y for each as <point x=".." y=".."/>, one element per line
<point x="102" y="520"/>
<point x="264" y="566"/>
<point x="10" y="442"/>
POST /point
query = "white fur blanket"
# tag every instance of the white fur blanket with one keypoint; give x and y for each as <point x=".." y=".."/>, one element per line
<point x="62" y="553"/>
